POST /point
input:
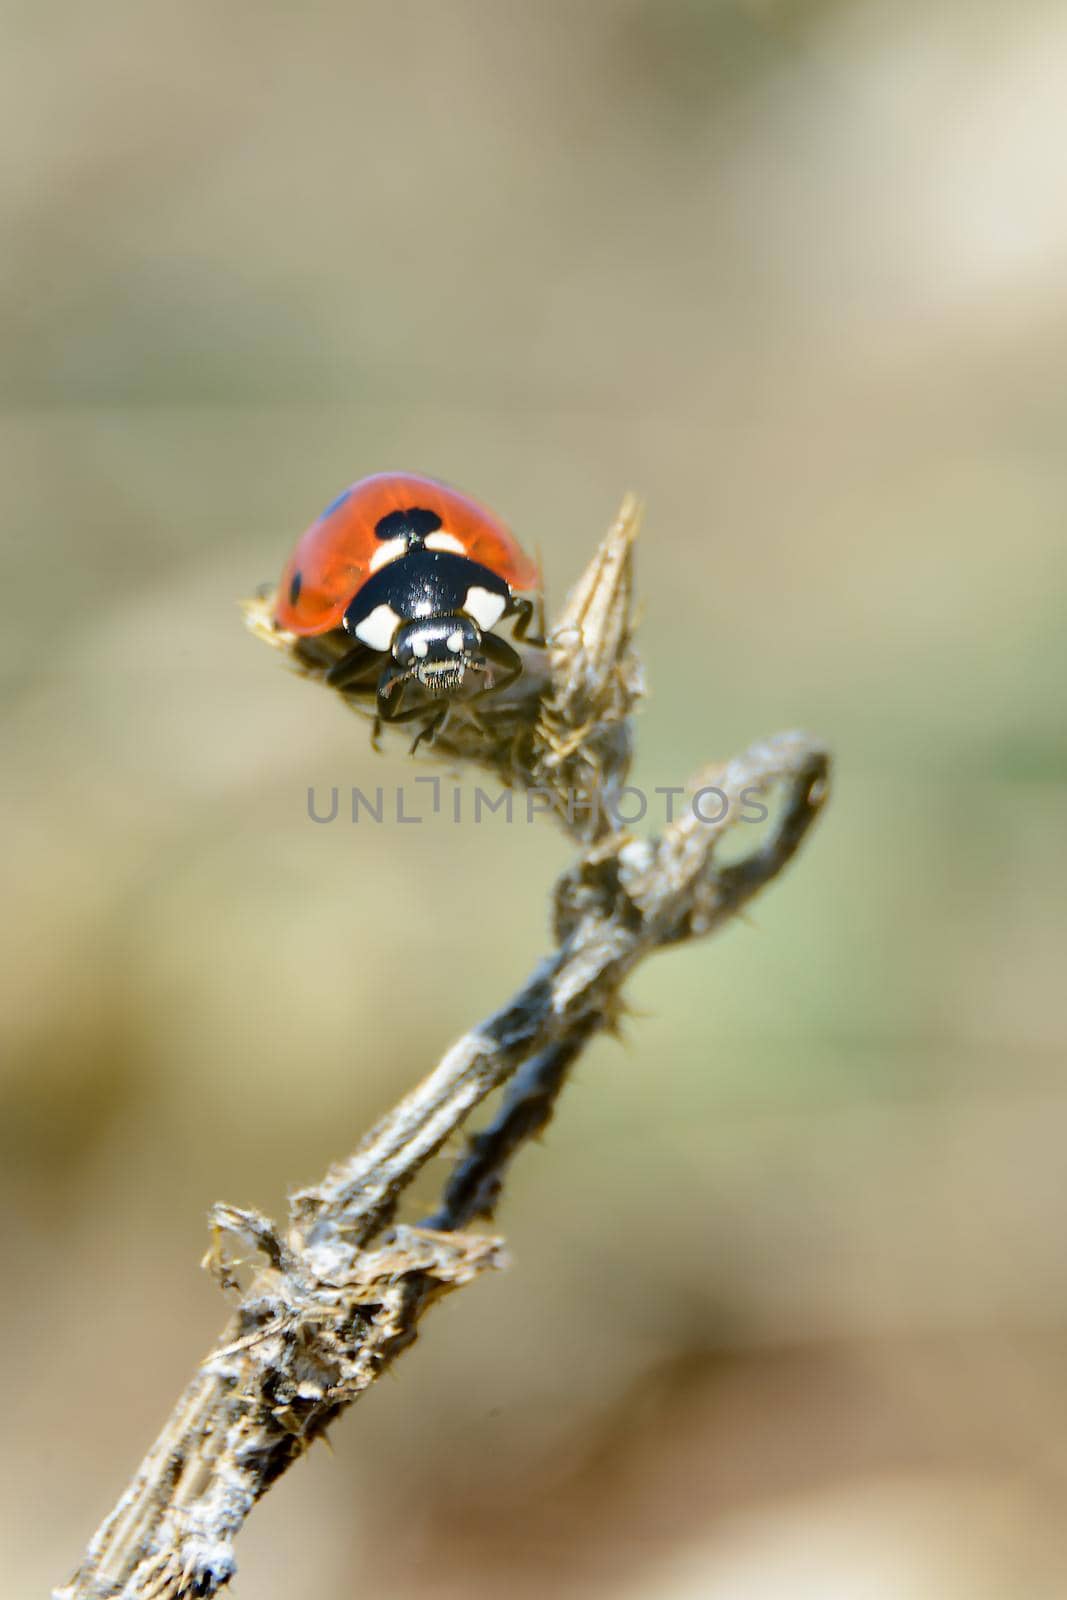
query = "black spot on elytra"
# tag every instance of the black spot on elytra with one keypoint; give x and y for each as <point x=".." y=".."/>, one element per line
<point x="294" y="588"/>
<point x="414" y="523"/>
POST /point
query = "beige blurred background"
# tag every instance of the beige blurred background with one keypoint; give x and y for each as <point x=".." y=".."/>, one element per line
<point x="788" y="1314"/>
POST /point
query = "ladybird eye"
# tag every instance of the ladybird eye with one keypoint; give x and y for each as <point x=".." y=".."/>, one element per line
<point x="294" y="588"/>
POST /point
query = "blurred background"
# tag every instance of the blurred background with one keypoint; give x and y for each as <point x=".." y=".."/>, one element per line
<point x="788" y="1313"/>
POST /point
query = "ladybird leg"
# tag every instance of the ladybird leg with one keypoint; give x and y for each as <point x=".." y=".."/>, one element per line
<point x="391" y="680"/>
<point x="523" y="610"/>
<point x="392" y="711"/>
<point x="428" y="732"/>
<point x="430" y="729"/>
<point x="358" y="665"/>
<point x="410" y="714"/>
<point x="497" y="653"/>
<point x="391" y="694"/>
<point x="432" y="723"/>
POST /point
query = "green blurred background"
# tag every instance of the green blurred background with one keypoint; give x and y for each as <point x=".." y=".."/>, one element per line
<point x="789" y="1302"/>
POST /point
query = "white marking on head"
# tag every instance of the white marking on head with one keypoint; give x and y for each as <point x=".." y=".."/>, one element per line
<point x="455" y="641"/>
<point x="443" y="540"/>
<point x="484" y="606"/>
<point x="420" y="648"/>
<point x="378" y="629"/>
<point x="388" y="550"/>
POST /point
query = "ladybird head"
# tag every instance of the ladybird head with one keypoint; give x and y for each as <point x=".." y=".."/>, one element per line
<point x="436" y="651"/>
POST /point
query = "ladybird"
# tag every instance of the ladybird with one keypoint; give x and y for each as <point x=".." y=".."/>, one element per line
<point x="418" y="575"/>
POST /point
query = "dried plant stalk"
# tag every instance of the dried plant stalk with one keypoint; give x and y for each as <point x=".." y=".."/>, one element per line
<point x="342" y="1290"/>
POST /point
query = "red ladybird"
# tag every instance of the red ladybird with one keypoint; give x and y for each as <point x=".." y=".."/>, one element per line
<point x="419" y="575"/>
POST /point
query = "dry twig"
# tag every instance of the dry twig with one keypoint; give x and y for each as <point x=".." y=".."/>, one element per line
<point x="343" y="1288"/>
